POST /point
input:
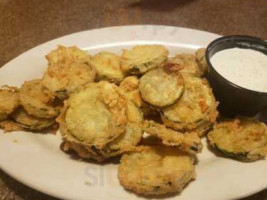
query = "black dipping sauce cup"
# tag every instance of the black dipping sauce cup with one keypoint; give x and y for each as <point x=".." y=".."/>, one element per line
<point x="234" y="99"/>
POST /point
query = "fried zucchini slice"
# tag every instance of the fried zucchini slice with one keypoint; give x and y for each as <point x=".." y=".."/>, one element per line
<point x="187" y="63"/>
<point x="66" y="55"/>
<point x="130" y="85"/>
<point x="9" y="101"/>
<point x="125" y="141"/>
<point x="82" y="150"/>
<point x="155" y="170"/>
<point x="132" y="135"/>
<point x="196" y="107"/>
<point x="9" y="126"/>
<point x="71" y="143"/>
<point x="68" y="69"/>
<point x="201" y="60"/>
<point x="29" y="122"/>
<point x="160" y="87"/>
<point x="108" y="67"/>
<point x="241" y="138"/>
<point x="142" y="58"/>
<point x="38" y="101"/>
<point x="96" y="113"/>
<point x="189" y="142"/>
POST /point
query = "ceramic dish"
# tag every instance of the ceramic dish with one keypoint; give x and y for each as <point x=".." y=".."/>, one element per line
<point x="36" y="160"/>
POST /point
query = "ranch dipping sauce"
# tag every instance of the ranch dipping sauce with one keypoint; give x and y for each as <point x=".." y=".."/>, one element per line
<point x="246" y="68"/>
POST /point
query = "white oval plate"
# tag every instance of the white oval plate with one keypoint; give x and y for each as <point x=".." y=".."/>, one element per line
<point x="36" y="160"/>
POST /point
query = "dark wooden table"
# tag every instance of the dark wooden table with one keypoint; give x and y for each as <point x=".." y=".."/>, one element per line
<point x="27" y="23"/>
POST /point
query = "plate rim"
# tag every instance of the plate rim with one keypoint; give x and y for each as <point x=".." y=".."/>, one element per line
<point x="59" y="195"/>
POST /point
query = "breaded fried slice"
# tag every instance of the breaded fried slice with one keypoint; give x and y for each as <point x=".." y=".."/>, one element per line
<point x="29" y="122"/>
<point x="187" y="62"/>
<point x="95" y="114"/>
<point x="160" y="87"/>
<point x="85" y="145"/>
<point x="155" y="170"/>
<point x="68" y="69"/>
<point x="108" y="67"/>
<point x="9" y="126"/>
<point x="9" y="101"/>
<point x="201" y="60"/>
<point x="130" y="85"/>
<point x="142" y="58"/>
<point x="132" y="135"/>
<point x="38" y="101"/>
<point x="241" y="138"/>
<point x="196" y="107"/>
<point x="189" y="142"/>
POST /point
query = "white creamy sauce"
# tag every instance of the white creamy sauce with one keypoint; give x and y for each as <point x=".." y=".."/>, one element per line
<point x="244" y="67"/>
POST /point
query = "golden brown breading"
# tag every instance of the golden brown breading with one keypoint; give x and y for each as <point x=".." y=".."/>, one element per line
<point x="110" y="146"/>
<point x="132" y="135"/>
<point x="68" y="69"/>
<point x="96" y="113"/>
<point x="108" y="67"/>
<point x="9" y="101"/>
<point x="130" y="85"/>
<point x="189" y="142"/>
<point x="38" y="101"/>
<point x="66" y="55"/>
<point x="201" y="60"/>
<point x="142" y="58"/>
<point x="241" y="138"/>
<point x="83" y="151"/>
<point x="9" y="126"/>
<point x="29" y="122"/>
<point x="155" y="170"/>
<point x="187" y="63"/>
<point x="196" y="107"/>
<point x="160" y="87"/>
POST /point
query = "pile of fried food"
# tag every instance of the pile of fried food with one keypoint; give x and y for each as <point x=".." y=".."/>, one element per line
<point x="150" y="108"/>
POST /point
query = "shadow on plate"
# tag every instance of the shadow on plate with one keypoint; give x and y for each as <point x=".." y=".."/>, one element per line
<point x="159" y="5"/>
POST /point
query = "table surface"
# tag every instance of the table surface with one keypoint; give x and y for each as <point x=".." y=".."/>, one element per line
<point x="27" y="23"/>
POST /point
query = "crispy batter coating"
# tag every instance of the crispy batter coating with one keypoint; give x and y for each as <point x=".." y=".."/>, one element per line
<point x="38" y="101"/>
<point x="132" y="135"/>
<point x="29" y="122"/>
<point x="87" y="148"/>
<point x="241" y="138"/>
<point x="196" y="107"/>
<point x="108" y="67"/>
<point x="187" y="63"/>
<point x="130" y="85"/>
<point x="189" y="142"/>
<point x="9" y="101"/>
<point x="201" y="60"/>
<point x="66" y="55"/>
<point x="142" y="58"/>
<point x="83" y="151"/>
<point x="71" y="143"/>
<point x="155" y="170"/>
<point x="68" y="69"/>
<point x="96" y="114"/>
<point x="160" y="87"/>
<point x="9" y="126"/>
